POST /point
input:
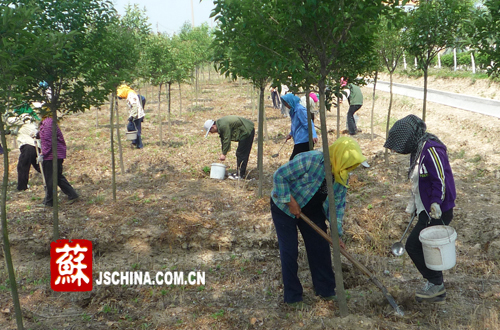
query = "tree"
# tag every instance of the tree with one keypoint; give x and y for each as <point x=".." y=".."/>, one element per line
<point x="390" y="49"/>
<point x="183" y="56"/>
<point x="17" y="55"/>
<point x="239" y="52"/>
<point x="313" y="41"/>
<point x="199" y="40"/>
<point x="484" y="34"/>
<point x="432" y="27"/>
<point x="339" y="37"/>
<point x="159" y="64"/>
<point x="119" y="53"/>
<point x="66" y="61"/>
<point x="139" y="29"/>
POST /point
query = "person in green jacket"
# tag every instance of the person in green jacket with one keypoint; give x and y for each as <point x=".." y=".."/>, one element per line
<point x="355" y="103"/>
<point x="233" y="128"/>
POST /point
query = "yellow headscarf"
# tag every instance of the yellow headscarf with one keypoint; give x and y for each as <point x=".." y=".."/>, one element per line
<point x="345" y="156"/>
<point x="123" y="90"/>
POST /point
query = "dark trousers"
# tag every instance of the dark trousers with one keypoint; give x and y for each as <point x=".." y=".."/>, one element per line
<point x="61" y="182"/>
<point x="298" y="148"/>
<point x="414" y="247"/>
<point x="243" y="153"/>
<point x="318" y="254"/>
<point x="276" y="100"/>
<point x="351" y="124"/>
<point x="136" y="125"/>
<point x="27" y="158"/>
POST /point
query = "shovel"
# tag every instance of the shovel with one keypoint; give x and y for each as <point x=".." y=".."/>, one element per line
<point x="358" y="265"/>
<point x="38" y="145"/>
<point x="398" y="248"/>
<point x="276" y="155"/>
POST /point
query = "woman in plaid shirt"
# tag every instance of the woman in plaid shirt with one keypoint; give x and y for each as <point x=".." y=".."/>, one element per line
<point x="300" y="186"/>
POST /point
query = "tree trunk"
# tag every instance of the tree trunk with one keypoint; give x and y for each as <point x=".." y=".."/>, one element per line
<point x="373" y="103"/>
<point x="169" y="97"/>
<point x="180" y="99"/>
<point x="118" y="137"/>
<point x="55" y="199"/>
<point x="426" y="75"/>
<point x="338" y="119"/>
<point x="160" y="117"/>
<point x="309" y="120"/>
<point x="337" y="262"/>
<point x="260" y="153"/>
<point x="113" y="165"/>
<point x="386" y="153"/>
<point x="196" y="87"/>
<point x="5" y="233"/>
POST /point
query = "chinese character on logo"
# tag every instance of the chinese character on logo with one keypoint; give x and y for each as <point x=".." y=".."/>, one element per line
<point x="71" y="265"/>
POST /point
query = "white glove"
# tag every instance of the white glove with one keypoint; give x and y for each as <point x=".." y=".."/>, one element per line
<point x="411" y="207"/>
<point x="39" y="160"/>
<point x="435" y="211"/>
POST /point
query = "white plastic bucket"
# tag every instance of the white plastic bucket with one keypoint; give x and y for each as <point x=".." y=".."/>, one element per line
<point x="218" y="171"/>
<point x="132" y="135"/>
<point x="438" y="243"/>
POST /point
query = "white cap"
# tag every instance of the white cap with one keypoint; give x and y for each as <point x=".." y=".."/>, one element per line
<point x="365" y="164"/>
<point x="208" y="124"/>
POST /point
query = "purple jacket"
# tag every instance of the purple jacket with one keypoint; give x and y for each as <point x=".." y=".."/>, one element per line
<point x="436" y="183"/>
<point x="46" y="140"/>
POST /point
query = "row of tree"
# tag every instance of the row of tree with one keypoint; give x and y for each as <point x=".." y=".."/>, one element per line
<point x="311" y="44"/>
<point x="83" y="50"/>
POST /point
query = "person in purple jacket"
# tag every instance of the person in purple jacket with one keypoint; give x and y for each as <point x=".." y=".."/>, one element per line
<point x="46" y="158"/>
<point x="433" y="193"/>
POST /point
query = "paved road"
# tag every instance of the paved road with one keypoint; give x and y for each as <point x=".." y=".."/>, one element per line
<point x="476" y="104"/>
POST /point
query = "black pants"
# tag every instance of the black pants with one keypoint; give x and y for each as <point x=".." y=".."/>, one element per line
<point x="414" y="247"/>
<point x="243" y="153"/>
<point x="136" y="125"/>
<point x="317" y="249"/>
<point x="61" y="182"/>
<point x="27" y="158"/>
<point x="276" y="100"/>
<point x="298" y="148"/>
<point x="351" y="123"/>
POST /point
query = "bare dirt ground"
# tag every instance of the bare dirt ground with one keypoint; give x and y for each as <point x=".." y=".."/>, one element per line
<point x="170" y="216"/>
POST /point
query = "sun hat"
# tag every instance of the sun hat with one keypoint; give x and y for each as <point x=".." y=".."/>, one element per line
<point x="314" y="97"/>
<point x="208" y="124"/>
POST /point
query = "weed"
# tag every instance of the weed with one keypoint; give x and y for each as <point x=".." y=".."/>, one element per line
<point x="200" y="288"/>
<point x="136" y="266"/>
<point x="86" y="317"/>
<point x="106" y="309"/>
<point x="475" y="159"/>
<point x="220" y="313"/>
<point x="99" y="199"/>
<point x="460" y="154"/>
<point x="206" y="169"/>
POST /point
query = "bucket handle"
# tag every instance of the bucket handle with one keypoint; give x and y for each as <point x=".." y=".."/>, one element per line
<point x="429" y="222"/>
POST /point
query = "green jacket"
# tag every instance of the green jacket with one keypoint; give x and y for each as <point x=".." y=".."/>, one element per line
<point x="355" y="97"/>
<point x="232" y="128"/>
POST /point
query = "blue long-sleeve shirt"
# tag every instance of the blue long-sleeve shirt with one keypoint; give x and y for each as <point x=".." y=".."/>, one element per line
<point x="301" y="178"/>
<point x="299" y="130"/>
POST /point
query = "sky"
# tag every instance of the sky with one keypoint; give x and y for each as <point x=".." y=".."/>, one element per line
<point x="170" y="15"/>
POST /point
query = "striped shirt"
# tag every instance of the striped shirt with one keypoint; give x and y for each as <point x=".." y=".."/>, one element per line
<point x="301" y="178"/>
<point x="46" y="140"/>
